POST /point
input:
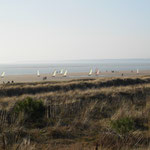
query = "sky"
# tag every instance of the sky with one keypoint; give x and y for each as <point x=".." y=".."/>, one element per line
<point x="47" y="30"/>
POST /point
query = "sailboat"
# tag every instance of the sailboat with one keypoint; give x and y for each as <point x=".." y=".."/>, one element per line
<point x="65" y="74"/>
<point x="38" y="73"/>
<point x="3" y="74"/>
<point x="90" y="73"/>
<point x="61" y="72"/>
<point x="97" y="72"/>
<point x="54" y="74"/>
<point x="137" y="71"/>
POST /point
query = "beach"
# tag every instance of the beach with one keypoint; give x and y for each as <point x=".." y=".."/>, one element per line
<point x="69" y="76"/>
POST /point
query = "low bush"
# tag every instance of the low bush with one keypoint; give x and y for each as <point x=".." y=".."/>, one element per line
<point x="123" y="125"/>
<point x="34" y="110"/>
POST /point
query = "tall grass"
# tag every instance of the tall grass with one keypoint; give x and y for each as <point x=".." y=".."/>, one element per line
<point x="79" y="114"/>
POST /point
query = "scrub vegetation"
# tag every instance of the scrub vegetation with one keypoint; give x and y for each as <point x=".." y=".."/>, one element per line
<point x="88" y="114"/>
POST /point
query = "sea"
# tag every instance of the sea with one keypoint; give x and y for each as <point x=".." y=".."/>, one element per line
<point x="75" y="66"/>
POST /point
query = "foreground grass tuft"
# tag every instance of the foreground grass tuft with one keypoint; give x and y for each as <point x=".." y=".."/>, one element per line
<point x="123" y="126"/>
<point x="34" y="110"/>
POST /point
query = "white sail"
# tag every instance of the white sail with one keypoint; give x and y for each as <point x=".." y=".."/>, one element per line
<point x="61" y="72"/>
<point x="90" y="73"/>
<point x="97" y="72"/>
<point x="65" y="74"/>
<point x="137" y="71"/>
<point x="54" y="74"/>
<point x="3" y="74"/>
<point x="38" y="73"/>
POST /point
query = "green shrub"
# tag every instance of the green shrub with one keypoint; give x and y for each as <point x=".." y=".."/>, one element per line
<point x="33" y="109"/>
<point x="123" y="126"/>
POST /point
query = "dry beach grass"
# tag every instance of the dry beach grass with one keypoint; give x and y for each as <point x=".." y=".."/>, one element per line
<point x="78" y="114"/>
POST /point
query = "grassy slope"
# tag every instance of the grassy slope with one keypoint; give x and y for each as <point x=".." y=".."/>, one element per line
<point x="78" y="113"/>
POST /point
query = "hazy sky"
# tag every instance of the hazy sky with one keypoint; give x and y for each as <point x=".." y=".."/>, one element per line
<point x="32" y="30"/>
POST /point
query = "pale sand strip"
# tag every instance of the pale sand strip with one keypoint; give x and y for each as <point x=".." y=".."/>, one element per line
<point x="70" y="76"/>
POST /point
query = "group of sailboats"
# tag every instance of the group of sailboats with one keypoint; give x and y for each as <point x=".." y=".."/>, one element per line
<point x="55" y="73"/>
<point x="97" y="72"/>
<point x="64" y="73"/>
<point x="61" y="73"/>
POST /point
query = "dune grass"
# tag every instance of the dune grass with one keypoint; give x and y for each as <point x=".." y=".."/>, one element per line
<point x="78" y="114"/>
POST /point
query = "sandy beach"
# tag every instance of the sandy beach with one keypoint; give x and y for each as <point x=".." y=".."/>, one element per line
<point x="70" y="76"/>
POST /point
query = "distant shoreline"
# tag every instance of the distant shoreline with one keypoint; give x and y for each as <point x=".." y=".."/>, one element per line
<point x="70" y="76"/>
<point x="74" y="66"/>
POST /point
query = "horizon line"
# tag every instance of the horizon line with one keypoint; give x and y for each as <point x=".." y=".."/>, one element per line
<point x="69" y="60"/>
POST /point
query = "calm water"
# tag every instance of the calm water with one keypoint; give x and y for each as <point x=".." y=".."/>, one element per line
<point x="76" y="66"/>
